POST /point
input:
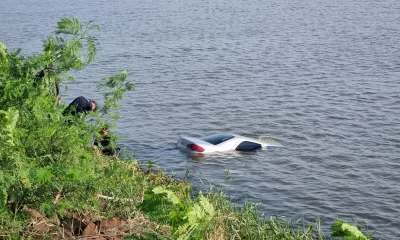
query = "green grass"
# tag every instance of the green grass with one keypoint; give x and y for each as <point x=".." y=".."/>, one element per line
<point x="122" y="189"/>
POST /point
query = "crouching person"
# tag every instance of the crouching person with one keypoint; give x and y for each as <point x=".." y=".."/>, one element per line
<point x="80" y="106"/>
<point x="103" y="145"/>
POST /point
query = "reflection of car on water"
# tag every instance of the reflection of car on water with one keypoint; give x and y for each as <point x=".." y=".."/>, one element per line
<point x="220" y="143"/>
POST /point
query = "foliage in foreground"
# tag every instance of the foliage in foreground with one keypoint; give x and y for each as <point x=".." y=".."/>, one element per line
<point x="48" y="166"/>
<point x="46" y="158"/>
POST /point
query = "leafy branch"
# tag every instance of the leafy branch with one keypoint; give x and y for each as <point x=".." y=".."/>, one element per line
<point x="348" y="231"/>
<point x="114" y="88"/>
<point x="188" y="219"/>
<point x="78" y="31"/>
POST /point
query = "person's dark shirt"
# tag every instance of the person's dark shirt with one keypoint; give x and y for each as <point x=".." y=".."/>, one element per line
<point x="79" y="105"/>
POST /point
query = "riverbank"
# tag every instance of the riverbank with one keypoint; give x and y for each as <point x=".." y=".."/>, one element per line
<point x="111" y="216"/>
<point x="143" y="203"/>
<point x="132" y="210"/>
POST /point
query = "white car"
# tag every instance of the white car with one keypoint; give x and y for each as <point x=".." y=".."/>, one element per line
<point x="223" y="142"/>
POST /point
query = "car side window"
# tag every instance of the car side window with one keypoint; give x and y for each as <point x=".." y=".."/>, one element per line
<point x="248" y="146"/>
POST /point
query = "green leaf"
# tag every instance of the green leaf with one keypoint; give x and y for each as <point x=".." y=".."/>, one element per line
<point x="3" y="53"/>
<point x="150" y="164"/>
<point x="74" y="46"/>
<point x="346" y="230"/>
<point x="3" y="197"/>
<point x="171" y="196"/>
<point x="92" y="50"/>
<point x="43" y="175"/>
<point x="68" y="26"/>
<point x="207" y="207"/>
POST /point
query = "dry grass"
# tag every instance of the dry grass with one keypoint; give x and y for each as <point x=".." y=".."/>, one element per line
<point x="85" y="227"/>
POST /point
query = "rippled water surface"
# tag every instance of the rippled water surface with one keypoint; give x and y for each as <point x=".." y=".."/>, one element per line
<point x="321" y="76"/>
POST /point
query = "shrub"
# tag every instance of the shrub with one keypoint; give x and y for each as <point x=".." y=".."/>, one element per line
<point x="46" y="159"/>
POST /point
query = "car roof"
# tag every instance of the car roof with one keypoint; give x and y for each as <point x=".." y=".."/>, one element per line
<point x="218" y="138"/>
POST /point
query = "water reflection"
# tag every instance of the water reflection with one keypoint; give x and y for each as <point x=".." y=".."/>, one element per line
<point x="201" y="158"/>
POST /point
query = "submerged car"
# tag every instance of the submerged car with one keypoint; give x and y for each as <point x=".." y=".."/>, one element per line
<point x="222" y="142"/>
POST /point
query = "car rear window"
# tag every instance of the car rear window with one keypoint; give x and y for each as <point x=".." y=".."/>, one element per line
<point x="217" y="138"/>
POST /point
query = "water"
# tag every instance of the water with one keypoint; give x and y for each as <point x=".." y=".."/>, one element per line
<point x="321" y="76"/>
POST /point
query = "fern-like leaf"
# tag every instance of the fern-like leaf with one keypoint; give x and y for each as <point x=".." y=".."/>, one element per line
<point x="185" y="231"/>
<point x="93" y="26"/>
<point x="69" y="26"/>
<point x="346" y="230"/>
<point x="171" y="196"/>
<point x="3" y="53"/>
<point x="3" y="197"/>
<point x="207" y="206"/>
<point x="43" y="175"/>
<point x="8" y="123"/>
<point x="92" y="51"/>
<point x="23" y="175"/>
<point x="74" y="46"/>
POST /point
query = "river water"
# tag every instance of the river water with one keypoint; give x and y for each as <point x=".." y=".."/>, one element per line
<point x="321" y="76"/>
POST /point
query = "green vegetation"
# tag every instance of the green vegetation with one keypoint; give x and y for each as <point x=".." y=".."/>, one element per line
<point x="53" y="185"/>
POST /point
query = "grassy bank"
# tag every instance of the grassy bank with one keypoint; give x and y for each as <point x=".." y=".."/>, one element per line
<point x="54" y="186"/>
<point x="120" y="200"/>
